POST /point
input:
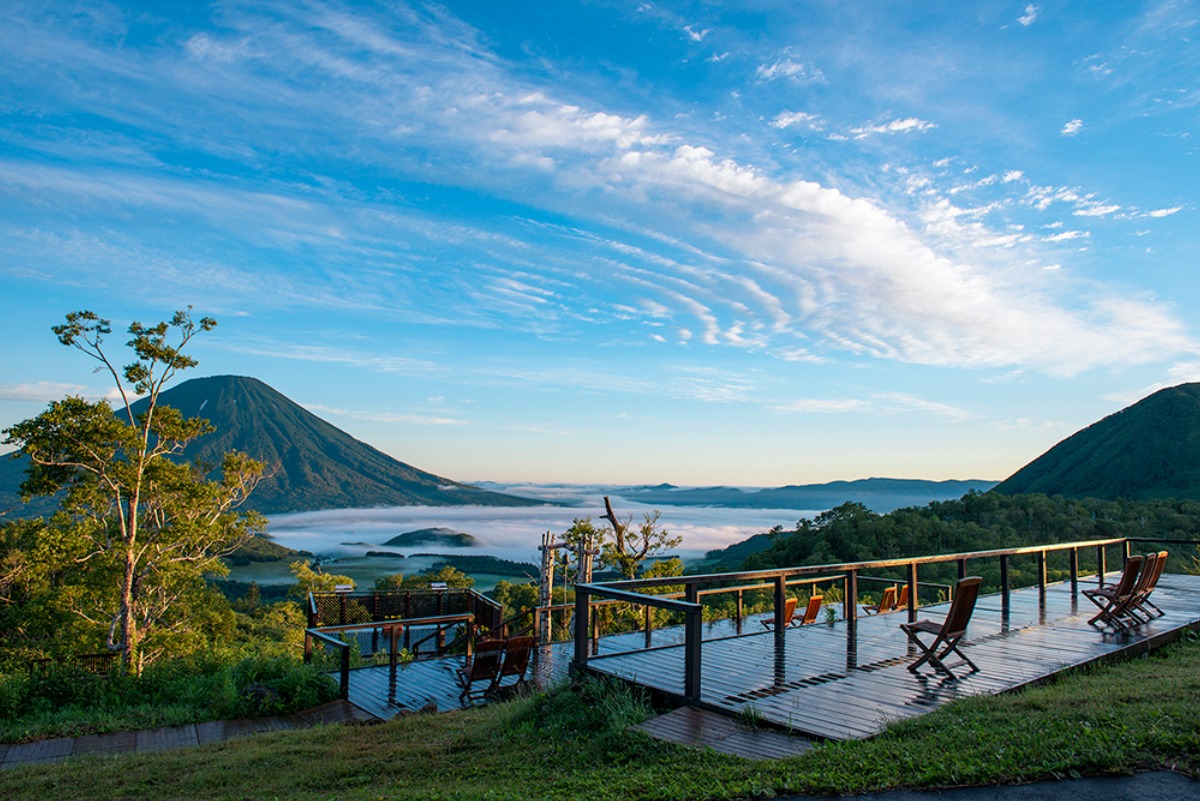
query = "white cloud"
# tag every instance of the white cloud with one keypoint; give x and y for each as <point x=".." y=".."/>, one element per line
<point x="1071" y="128"/>
<point x="1164" y="212"/>
<point x="1030" y="16"/>
<point x="383" y="417"/>
<point x="789" y="119"/>
<point x="1096" y="210"/>
<point x="1065" y="236"/>
<point x="822" y="406"/>
<point x="695" y="35"/>
<point x="897" y="126"/>
<point x="46" y="391"/>
<point x="790" y="69"/>
<point x="887" y="403"/>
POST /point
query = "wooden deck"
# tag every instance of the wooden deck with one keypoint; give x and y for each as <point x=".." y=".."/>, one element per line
<point x="821" y="681"/>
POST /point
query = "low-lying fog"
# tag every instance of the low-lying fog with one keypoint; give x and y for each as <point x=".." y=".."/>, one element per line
<point x="515" y="533"/>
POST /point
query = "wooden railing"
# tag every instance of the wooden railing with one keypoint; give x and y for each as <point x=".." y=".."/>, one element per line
<point x="393" y="631"/>
<point x="689" y="606"/>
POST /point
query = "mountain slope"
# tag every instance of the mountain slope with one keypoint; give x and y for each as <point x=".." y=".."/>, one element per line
<point x="313" y="464"/>
<point x="1148" y="450"/>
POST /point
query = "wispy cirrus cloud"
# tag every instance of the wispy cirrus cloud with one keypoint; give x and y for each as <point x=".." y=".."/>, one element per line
<point x="896" y="126"/>
<point x="790" y="69"/>
<point x="47" y="391"/>
<point x="887" y="403"/>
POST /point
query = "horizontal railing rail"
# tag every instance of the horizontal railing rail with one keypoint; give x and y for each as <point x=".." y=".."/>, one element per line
<point x="393" y="628"/>
<point x="343" y="663"/>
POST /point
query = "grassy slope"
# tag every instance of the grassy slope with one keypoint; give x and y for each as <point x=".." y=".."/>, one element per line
<point x="1113" y="719"/>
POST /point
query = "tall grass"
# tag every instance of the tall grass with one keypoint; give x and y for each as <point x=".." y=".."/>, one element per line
<point x="65" y="702"/>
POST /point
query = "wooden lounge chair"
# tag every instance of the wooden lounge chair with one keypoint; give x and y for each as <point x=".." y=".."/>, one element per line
<point x="811" y="611"/>
<point x="482" y="668"/>
<point x="515" y="663"/>
<point x="789" y="614"/>
<point x="887" y="603"/>
<point x="1114" y="600"/>
<point x="1141" y="602"/>
<point x="1132" y="612"/>
<point x="902" y="598"/>
<point x="949" y="633"/>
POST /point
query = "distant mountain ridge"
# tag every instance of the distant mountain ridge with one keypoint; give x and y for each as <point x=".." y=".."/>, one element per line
<point x="1148" y="450"/>
<point x="880" y="495"/>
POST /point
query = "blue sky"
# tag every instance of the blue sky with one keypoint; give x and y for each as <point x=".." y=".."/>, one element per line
<point x="744" y="243"/>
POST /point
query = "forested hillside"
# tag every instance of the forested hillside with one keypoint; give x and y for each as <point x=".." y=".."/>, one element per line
<point x="977" y="521"/>
<point x="1148" y="450"/>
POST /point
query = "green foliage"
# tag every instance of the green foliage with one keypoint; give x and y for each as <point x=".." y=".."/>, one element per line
<point x="575" y="744"/>
<point x="484" y="563"/>
<point x="977" y="521"/>
<point x="66" y="702"/>
<point x="1146" y="451"/>
<point x="137" y="529"/>
<point x="452" y="576"/>
<point x="309" y="580"/>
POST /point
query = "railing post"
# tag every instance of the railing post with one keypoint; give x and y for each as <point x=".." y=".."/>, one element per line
<point x="344" y="684"/>
<point x="693" y="624"/>
<point x="307" y="647"/>
<point x="850" y="601"/>
<point x="1101" y="563"/>
<point x="780" y="603"/>
<point x="649" y="615"/>
<point x="912" y="592"/>
<point x="1041" y="573"/>
<point x="962" y="569"/>
<point x="1127" y="547"/>
<point x="582" y="626"/>
<point x="1074" y="557"/>
<point x="1004" y="581"/>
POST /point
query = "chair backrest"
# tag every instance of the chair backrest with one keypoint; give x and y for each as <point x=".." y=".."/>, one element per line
<point x="1129" y="577"/>
<point x="902" y="598"/>
<point x="813" y="609"/>
<point x="888" y="602"/>
<point x="485" y="664"/>
<point x="789" y="610"/>
<point x="516" y="656"/>
<point x="966" y="592"/>
<point x="1158" y="571"/>
<point x="1147" y="576"/>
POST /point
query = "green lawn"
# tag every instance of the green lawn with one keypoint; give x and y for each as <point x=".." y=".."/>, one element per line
<point x="575" y="744"/>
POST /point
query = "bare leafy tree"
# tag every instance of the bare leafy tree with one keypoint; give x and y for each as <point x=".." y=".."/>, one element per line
<point x="625" y="546"/>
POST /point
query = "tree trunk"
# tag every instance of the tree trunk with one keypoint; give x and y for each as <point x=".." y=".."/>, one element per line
<point x="128" y="622"/>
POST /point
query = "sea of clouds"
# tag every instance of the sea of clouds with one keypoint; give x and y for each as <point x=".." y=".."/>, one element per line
<point x="516" y="532"/>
